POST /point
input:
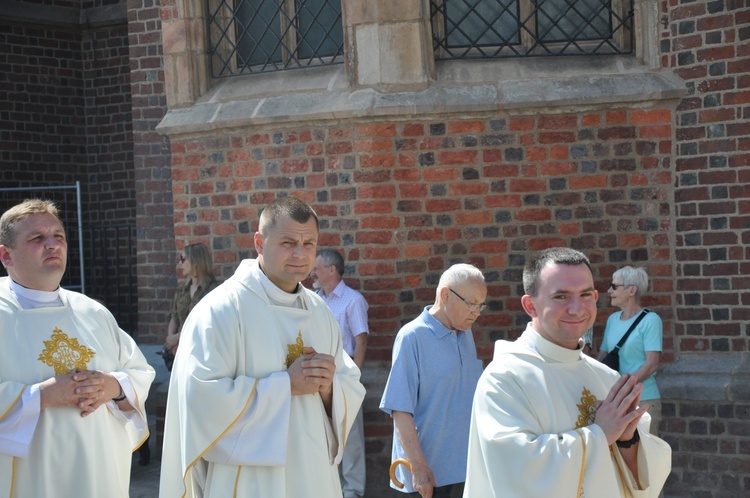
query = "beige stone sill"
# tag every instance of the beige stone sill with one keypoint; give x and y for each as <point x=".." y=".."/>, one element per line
<point x="557" y="84"/>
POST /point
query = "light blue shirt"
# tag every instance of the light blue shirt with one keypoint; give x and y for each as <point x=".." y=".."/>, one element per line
<point x="646" y="337"/>
<point x="434" y="374"/>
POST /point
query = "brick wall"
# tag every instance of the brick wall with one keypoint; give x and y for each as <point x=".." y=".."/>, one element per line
<point x="405" y="200"/>
<point x="708" y="44"/>
<point x="156" y="258"/>
<point x="65" y="104"/>
<point x="42" y="135"/>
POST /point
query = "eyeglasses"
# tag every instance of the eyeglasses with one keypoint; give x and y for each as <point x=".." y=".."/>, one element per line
<point x="472" y="307"/>
<point x="181" y="258"/>
<point x="615" y="286"/>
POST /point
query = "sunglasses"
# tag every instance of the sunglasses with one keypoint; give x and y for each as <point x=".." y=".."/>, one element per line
<point x="181" y="258"/>
<point x="615" y="286"/>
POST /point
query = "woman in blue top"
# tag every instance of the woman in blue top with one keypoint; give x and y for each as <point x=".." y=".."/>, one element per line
<point x="641" y="353"/>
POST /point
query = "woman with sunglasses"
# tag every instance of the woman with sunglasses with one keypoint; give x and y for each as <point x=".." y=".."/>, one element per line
<point x="641" y="352"/>
<point x="195" y="263"/>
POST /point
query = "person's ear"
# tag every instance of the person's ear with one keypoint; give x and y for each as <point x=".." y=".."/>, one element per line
<point x="258" y="240"/>
<point x="443" y="294"/>
<point x="5" y="257"/>
<point x="528" y="306"/>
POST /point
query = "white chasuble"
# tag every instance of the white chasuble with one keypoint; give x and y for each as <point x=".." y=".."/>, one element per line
<point x="232" y="426"/>
<point x="531" y="434"/>
<point x="69" y="455"/>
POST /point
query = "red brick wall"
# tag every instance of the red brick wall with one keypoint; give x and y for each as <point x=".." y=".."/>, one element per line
<point x="109" y="125"/>
<point x="151" y="161"/>
<point x="406" y="200"/>
<point x="709" y="47"/>
<point x="707" y="43"/>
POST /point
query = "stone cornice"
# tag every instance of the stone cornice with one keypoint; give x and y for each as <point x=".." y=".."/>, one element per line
<point x="558" y="84"/>
<point x="64" y="17"/>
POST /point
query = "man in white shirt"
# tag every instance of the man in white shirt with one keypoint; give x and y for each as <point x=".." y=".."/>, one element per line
<point x="350" y="309"/>
<point x="262" y="396"/>
<point x="548" y="420"/>
<point x="72" y="383"/>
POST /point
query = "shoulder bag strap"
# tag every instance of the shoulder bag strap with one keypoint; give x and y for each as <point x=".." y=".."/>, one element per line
<point x="632" y="327"/>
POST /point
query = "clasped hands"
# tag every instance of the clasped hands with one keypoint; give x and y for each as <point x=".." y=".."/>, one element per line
<point x="312" y="373"/>
<point x="86" y="390"/>
<point x="618" y="415"/>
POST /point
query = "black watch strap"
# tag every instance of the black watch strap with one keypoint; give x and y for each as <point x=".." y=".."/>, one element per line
<point x="629" y="442"/>
<point x="120" y="397"/>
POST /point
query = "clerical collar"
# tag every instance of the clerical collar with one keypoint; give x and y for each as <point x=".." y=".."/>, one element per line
<point x="278" y="296"/>
<point x="547" y="349"/>
<point x="33" y="299"/>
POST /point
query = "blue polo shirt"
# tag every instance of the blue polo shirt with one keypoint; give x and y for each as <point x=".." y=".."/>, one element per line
<point x="433" y="376"/>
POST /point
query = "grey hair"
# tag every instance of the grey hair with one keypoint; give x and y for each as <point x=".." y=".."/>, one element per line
<point x="332" y="257"/>
<point x="458" y="274"/>
<point x="633" y="276"/>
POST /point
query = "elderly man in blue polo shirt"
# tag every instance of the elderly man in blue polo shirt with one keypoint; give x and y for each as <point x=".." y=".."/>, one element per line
<point x="431" y="385"/>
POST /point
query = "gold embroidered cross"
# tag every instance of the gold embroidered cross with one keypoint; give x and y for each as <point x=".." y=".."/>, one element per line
<point x="295" y="350"/>
<point x="586" y="409"/>
<point x="65" y="354"/>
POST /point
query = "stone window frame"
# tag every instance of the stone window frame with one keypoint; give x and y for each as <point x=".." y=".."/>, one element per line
<point x="390" y="70"/>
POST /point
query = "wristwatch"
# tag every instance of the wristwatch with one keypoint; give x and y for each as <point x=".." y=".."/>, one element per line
<point x="122" y="397"/>
<point x="629" y="442"/>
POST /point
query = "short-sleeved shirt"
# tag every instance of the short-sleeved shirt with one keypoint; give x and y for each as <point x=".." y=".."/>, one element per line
<point x="350" y="309"/>
<point x="434" y="374"/>
<point x="646" y="337"/>
<point x="183" y="303"/>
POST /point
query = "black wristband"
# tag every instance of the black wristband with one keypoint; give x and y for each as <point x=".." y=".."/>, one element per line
<point x="120" y="397"/>
<point x="629" y="442"/>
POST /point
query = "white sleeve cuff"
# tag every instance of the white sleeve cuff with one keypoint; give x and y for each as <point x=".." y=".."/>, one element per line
<point x="134" y="417"/>
<point x="18" y="427"/>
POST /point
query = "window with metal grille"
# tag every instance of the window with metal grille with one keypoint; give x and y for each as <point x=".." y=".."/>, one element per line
<point x="253" y="36"/>
<point x="524" y="28"/>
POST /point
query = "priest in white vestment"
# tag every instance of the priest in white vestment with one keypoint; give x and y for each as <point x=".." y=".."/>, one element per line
<point x="548" y="420"/>
<point x="262" y="396"/>
<point x="72" y="383"/>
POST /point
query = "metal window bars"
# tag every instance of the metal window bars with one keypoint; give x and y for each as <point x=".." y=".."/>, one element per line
<point x="463" y="29"/>
<point x="253" y="36"/>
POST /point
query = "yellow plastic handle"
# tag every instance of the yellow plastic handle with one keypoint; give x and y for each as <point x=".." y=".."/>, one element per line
<point x="392" y="470"/>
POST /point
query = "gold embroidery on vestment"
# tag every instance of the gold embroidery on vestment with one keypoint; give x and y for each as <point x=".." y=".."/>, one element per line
<point x="64" y="354"/>
<point x="295" y="350"/>
<point x="586" y="409"/>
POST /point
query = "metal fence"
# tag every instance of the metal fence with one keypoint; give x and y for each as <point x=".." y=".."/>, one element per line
<point x="526" y="28"/>
<point x="252" y="36"/>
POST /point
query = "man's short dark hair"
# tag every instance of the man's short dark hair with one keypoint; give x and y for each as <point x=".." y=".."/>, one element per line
<point x="555" y="255"/>
<point x="332" y="257"/>
<point x="285" y="206"/>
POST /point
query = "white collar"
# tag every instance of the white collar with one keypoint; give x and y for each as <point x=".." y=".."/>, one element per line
<point x="33" y="298"/>
<point x="276" y="295"/>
